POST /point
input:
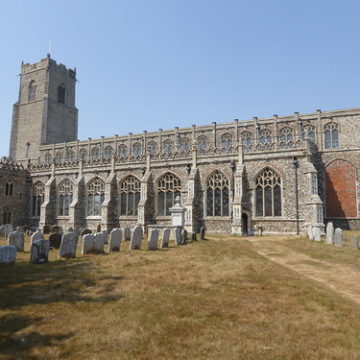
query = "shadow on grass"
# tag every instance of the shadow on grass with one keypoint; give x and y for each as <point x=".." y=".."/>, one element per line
<point x="17" y="346"/>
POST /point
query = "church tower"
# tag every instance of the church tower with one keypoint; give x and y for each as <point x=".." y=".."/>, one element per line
<point x="45" y="112"/>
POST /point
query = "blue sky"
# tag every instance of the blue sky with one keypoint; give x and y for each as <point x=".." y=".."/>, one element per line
<point x="150" y="64"/>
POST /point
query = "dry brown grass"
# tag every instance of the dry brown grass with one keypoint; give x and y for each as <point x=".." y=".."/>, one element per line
<point x="215" y="299"/>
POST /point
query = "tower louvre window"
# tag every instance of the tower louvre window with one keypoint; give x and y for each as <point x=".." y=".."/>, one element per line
<point x="61" y="94"/>
<point x="32" y="91"/>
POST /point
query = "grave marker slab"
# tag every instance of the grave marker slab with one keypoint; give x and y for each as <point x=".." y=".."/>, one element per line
<point x="37" y="235"/>
<point x="338" y="237"/>
<point x="153" y="241"/>
<point x="87" y="244"/>
<point x="16" y="238"/>
<point x="115" y="240"/>
<point x="39" y="252"/>
<point x="136" y="238"/>
<point x="127" y="234"/>
<point x="165" y="238"/>
<point x="7" y="254"/>
<point x="55" y="240"/>
<point x="330" y="233"/>
<point x="99" y="243"/>
<point x="68" y="246"/>
<point x="354" y="242"/>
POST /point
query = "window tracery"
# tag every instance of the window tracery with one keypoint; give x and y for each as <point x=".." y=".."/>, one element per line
<point x="65" y="195"/>
<point x="202" y="144"/>
<point x="32" y="91"/>
<point x="95" y="196"/>
<point x="331" y="134"/>
<point x="286" y="138"/>
<point x="226" y="143"/>
<point x="265" y="139"/>
<point x="38" y="193"/>
<point x="217" y="195"/>
<point x="246" y="141"/>
<point x="130" y="189"/>
<point x="169" y="187"/>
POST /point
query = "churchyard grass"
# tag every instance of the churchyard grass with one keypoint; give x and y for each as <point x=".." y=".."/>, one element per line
<point x="212" y="299"/>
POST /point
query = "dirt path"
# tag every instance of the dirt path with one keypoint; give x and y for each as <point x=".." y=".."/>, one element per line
<point x="342" y="278"/>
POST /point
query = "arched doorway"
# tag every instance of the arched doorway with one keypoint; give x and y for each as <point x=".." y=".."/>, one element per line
<point x="245" y="224"/>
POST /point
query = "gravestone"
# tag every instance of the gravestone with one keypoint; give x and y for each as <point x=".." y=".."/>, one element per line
<point x="338" y="237"/>
<point x="127" y="234"/>
<point x="202" y="233"/>
<point x="115" y="240"/>
<point x="153" y="241"/>
<point x="316" y="233"/>
<point x="330" y="233"/>
<point x="178" y="236"/>
<point x="55" y="240"/>
<point x="136" y="238"/>
<point x="354" y="242"/>
<point x="16" y="238"/>
<point x="39" y="252"/>
<point x="310" y="233"/>
<point x="37" y="235"/>
<point x="99" y="243"/>
<point x="184" y="236"/>
<point x="68" y="246"/>
<point x="106" y="236"/>
<point x="165" y="238"/>
<point x="87" y="244"/>
<point x="2" y="230"/>
<point x="85" y="232"/>
<point x="7" y="254"/>
<point x="55" y="229"/>
<point x="193" y="236"/>
<point x="8" y="230"/>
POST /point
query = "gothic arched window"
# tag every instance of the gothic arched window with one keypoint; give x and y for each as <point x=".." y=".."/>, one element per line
<point x="65" y="194"/>
<point x="153" y="149"/>
<point x="137" y="150"/>
<point x="246" y="141"/>
<point x="331" y="134"/>
<point x="83" y="154"/>
<point x="95" y="196"/>
<point x="226" y="143"/>
<point x="202" y="144"/>
<point x="217" y="194"/>
<point x="108" y="152"/>
<point x="184" y="146"/>
<point x="168" y="148"/>
<point x="59" y="157"/>
<point x="309" y="132"/>
<point x="129" y="196"/>
<point x="32" y="91"/>
<point x="95" y="154"/>
<point x="123" y="152"/>
<point x="70" y="156"/>
<point x="268" y="193"/>
<point x="169" y="187"/>
<point x="61" y="94"/>
<point x="38" y="192"/>
<point x="47" y="158"/>
<point x="265" y="139"/>
<point x="286" y="138"/>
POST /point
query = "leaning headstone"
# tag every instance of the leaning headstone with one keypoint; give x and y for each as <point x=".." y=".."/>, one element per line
<point x="178" y="236"/>
<point x="153" y="241"/>
<point x="165" y="238"/>
<point x="39" y="252"/>
<point x="193" y="236"/>
<point x="115" y="240"/>
<point x="68" y="246"/>
<point x="127" y="234"/>
<point x="37" y="235"/>
<point x="99" y="242"/>
<point x="330" y="233"/>
<point x="106" y="236"/>
<point x="16" y="238"/>
<point x="354" y="242"/>
<point x="87" y="244"/>
<point x="338" y="237"/>
<point x="7" y="254"/>
<point x="55" y="240"/>
<point x="8" y="230"/>
<point x="310" y="233"/>
<point x="317" y="233"/>
<point x="202" y="233"/>
<point x="136" y="238"/>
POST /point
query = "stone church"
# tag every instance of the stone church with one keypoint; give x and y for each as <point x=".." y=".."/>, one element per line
<point x="272" y="175"/>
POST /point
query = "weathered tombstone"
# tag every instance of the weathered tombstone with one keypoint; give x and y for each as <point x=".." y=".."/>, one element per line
<point x="106" y="236"/>
<point x="354" y="242"/>
<point x="178" y="236"/>
<point x="7" y="254"/>
<point x="338" y="237"/>
<point x="85" y="232"/>
<point x="193" y="236"/>
<point x="55" y="240"/>
<point x="127" y="234"/>
<point x="68" y="246"/>
<point x="136" y="238"/>
<point x="37" y="235"/>
<point x="165" y="238"/>
<point x="39" y="252"/>
<point x="153" y="240"/>
<point x="202" y="233"/>
<point x="310" y="233"/>
<point x="316" y="233"/>
<point x="99" y="242"/>
<point x="8" y="229"/>
<point x="87" y="244"/>
<point x="330" y="233"/>
<point x="115" y="240"/>
<point x="16" y="238"/>
<point x="2" y="230"/>
<point x="183" y="237"/>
